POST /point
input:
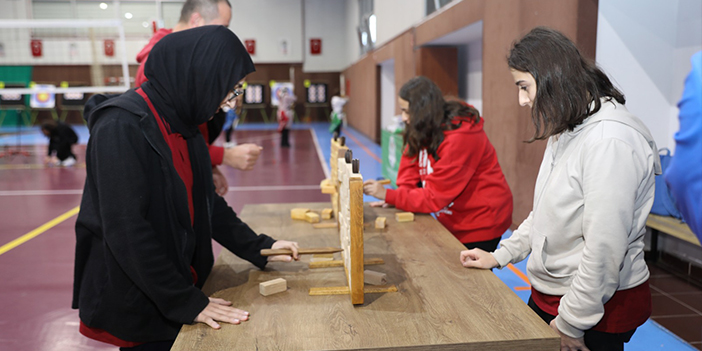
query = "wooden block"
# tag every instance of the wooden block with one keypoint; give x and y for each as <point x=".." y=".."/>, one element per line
<point x="273" y="286"/>
<point x="312" y="217"/>
<point x="385" y="182"/>
<point x="380" y="222"/>
<point x="326" y="213"/>
<point x="374" y="278"/>
<point x="324" y="225"/>
<point x="299" y="213"/>
<point x="404" y="217"/>
<point x="322" y="257"/>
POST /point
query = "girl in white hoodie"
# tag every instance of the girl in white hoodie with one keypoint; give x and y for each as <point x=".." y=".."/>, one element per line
<point x="593" y="193"/>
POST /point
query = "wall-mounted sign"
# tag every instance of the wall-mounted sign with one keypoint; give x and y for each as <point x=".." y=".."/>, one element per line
<point x="36" y="47"/>
<point x="315" y="46"/>
<point x="250" y="46"/>
<point x="109" y="47"/>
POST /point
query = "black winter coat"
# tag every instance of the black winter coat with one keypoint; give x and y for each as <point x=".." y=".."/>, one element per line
<point x="135" y="244"/>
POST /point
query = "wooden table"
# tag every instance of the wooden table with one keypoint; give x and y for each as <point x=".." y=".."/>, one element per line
<point x="439" y="306"/>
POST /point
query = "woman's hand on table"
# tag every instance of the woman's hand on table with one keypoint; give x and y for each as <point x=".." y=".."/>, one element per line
<point x="219" y="310"/>
<point x="284" y="244"/>
<point x="477" y="258"/>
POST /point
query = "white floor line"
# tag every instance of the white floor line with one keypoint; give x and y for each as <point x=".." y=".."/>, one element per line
<point x="231" y="188"/>
<point x="274" y="187"/>
<point x="325" y="168"/>
<point x="40" y="192"/>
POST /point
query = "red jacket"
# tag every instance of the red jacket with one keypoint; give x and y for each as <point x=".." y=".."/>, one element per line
<point x="216" y="152"/>
<point x="465" y="188"/>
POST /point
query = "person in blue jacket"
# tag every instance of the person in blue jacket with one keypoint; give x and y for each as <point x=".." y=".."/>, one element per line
<point x="684" y="175"/>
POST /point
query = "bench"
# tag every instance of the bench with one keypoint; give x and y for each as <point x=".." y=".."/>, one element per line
<point x="671" y="226"/>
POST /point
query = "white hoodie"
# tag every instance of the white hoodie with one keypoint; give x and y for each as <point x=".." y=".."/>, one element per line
<point x="585" y="232"/>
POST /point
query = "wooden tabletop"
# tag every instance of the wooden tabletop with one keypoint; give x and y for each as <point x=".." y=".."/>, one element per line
<point x="439" y="306"/>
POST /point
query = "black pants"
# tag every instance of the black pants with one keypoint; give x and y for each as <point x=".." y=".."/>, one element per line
<point x="63" y="151"/>
<point x="151" y="346"/>
<point x="489" y="245"/>
<point x="284" y="138"/>
<point x="594" y="340"/>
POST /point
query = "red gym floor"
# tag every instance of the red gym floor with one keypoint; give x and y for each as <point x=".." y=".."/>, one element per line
<point x="37" y="275"/>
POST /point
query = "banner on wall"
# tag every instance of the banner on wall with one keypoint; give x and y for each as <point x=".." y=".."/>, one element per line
<point x="315" y="46"/>
<point x="36" y="47"/>
<point x="109" y="47"/>
<point x="250" y="46"/>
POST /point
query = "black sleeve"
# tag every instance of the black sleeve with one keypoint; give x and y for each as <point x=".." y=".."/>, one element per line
<point x="119" y="163"/>
<point x="52" y="146"/>
<point x="236" y="236"/>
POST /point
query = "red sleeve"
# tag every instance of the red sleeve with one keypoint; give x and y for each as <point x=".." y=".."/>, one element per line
<point x="216" y="155"/>
<point x="459" y="157"/>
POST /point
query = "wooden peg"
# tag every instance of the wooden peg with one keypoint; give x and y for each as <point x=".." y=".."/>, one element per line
<point x="336" y="136"/>
<point x="404" y="217"/>
<point x="342" y="141"/>
<point x="355" y="166"/>
<point x="299" y="213"/>
<point x="385" y="182"/>
<point x="312" y="217"/>
<point x="348" y="156"/>
<point x="327" y="213"/>
<point x="380" y="222"/>
<point x="273" y="286"/>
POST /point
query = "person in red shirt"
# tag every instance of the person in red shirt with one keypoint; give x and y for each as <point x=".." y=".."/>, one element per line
<point x="448" y="168"/>
<point x="196" y="13"/>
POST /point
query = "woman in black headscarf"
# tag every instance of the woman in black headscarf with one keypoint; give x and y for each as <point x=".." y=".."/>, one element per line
<point x="149" y="210"/>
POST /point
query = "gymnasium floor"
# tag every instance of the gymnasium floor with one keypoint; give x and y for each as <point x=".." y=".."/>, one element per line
<point x="37" y="214"/>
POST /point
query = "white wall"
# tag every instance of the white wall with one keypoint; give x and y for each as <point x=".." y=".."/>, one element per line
<point x="353" y="48"/>
<point x="387" y="93"/>
<point x="325" y="19"/>
<point x="470" y="73"/>
<point x="270" y="22"/>
<point x="395" y="16"/>
<point x="645" y="47"/>
<point x="267" y="21"/>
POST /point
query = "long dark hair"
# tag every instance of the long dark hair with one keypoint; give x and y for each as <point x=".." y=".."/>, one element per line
<point x="566" y="82"/>
<point x="431" y="115"/>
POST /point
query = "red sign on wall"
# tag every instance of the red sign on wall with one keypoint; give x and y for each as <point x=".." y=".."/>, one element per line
<point x="36" y="47"/>
<point x="250" y="46"/>
<point x="109" y="47"/>
<point x="315" y="46"/>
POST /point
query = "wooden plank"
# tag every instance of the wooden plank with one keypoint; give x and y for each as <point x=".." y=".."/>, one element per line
<point x="437" y="305"/>
<point x="344" y="290"/>
<point x="340" y="263"/>
<point x="305" y="251"/>
<point x="672" y="226"/>
<point x="325" y="225"/>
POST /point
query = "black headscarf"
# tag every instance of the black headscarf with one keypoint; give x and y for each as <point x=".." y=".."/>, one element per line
<point x="190" y="72"/>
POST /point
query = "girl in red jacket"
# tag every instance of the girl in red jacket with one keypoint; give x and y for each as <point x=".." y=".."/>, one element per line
<point x="448" y="168"/>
